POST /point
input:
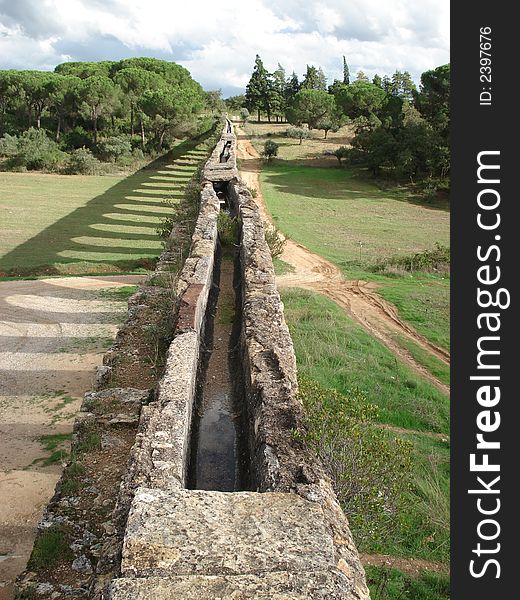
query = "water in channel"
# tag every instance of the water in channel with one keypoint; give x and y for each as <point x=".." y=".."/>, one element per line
<point x="216" y="454"/>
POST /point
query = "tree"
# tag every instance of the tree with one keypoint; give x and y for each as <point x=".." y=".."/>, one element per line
<point x="83" y="70"/>
<point x="63" y="98"/>
<point x="360" y="99"/>
<point x="346" y="72"/>
<point x="244" y="115"/>
<point x="403" y="86"/>
<point x="314" y="79"/>
<point x="298" y="133"/>
<point x="213" y="101"/>
<point x="360" y="76"/>
<point x="433" y="99"/>
<point x="100" y="97"/>
<point x="292" y="87"/>
<point x="270" y="149"/>
<point x="311" y="106"/>
<point x="377" y="81"/>
<point x="278" y="96"/>
<point x="7" y="93"/>
<point x="257" y="90"/>
<point x="134" y="81"/>
<point x="235" y="103"/>
<point x="329" y="123"/>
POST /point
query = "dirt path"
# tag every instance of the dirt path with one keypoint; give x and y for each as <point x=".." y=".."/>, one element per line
<point x="357" y="298"/>
<point x="410" y="566"/>
<point x="53" y="333"/>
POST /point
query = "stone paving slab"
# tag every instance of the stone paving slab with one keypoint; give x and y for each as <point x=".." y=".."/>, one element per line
<point x="217" y="533"/>
<point x="281" y="585"/>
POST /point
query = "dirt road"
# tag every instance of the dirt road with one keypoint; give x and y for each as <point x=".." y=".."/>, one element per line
<point x="53" y="333"/>
<point x="358" y="298"/>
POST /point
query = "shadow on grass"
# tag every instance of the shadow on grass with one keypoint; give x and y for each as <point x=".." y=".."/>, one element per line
<point x="114" y="231"/>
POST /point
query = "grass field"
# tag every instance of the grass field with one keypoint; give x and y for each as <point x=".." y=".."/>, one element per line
<point x="336" y="352"/>
<point x="59" y="224"/>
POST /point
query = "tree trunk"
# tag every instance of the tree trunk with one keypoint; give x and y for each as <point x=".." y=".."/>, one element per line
<point x="301" y="141"/>
<point x="142" y="134"/>
<point x="95" y="130"/>
<point x="161" y="139"/>
<point x="38" y="120"/>
<point x="58" y="130"/>
<point x="259" y="115"/>
<point x="326" y="131"/>
<point x="132" y="120"/>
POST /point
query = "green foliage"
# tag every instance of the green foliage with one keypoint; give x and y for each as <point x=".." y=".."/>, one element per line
<point x="270" y="149"/>
<point x="114" y="148"/>
<point x="298" y="133"/>
<point x="50" y="548"/>
<point x="244" y="114"/>
<point x="275" y="241"/>
<point x="391" y="584"/>
<point x="341" y="153"/>
<point x="77" y="137"/>
<point x="32" y="150"/>
<point x="370" y="471"/>
<point x="82" y="162"/>
<point x="436" y="259"/>
<point x="227" y="229"/>
<point x="310" y="106"/>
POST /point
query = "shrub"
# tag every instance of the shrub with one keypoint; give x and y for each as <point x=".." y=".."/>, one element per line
<point x="270" y="149"/>
<point x="227" y="229"/>
<point x="437" y="259"/>
<point x="114" y="148"/>
<point x="32" y="150"/>
<point x="275" y="241"/>
<point x="83" y="162"/>
<point x="50" y="548"/>
<point x="298" y="133"/>
<point x="76" y="138"/>
<point x="8" y="145"/>
<point x="244" y="115"/>
<point x="368" y="468"/>
<point x="341" y="153"/>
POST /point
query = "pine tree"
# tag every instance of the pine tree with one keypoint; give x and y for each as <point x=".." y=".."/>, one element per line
<point x="257" y="90"/>
<point x="346" y="72"/>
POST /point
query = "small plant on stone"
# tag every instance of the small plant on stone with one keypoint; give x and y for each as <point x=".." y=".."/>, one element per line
<point x="275" y="241"/>
<point x="50" y="548"/>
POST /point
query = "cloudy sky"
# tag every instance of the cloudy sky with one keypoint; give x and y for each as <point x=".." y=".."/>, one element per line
<point x="217" y="41"/>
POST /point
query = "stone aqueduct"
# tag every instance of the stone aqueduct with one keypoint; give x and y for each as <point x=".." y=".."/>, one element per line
<point x="285" y="538"/>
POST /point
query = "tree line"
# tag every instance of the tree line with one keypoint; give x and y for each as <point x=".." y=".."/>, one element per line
<point x="398" y="128"/>
<point x="142" y="102"/>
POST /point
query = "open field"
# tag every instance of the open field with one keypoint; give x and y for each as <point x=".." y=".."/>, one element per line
<point x="58" y="224"/>
<point x="343" y="216"/>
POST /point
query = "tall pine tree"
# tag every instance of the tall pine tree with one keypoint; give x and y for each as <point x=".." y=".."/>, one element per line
<point x="258" y="88"/>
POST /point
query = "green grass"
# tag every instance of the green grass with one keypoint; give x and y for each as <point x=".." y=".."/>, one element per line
<point x="281" y="267"/>
<point x="355" y="225"/>
<point x="338" y="353"/>
<point x="436" y="367"/>
<point x="392" y="584"/>
<point x="57" y="224"/>
<point x="50" y="548"/>
<point x="53" y="443"/>
<point x="122" y="293"/>
<point x="332" y="210"/>
<point x="424" y="301"/>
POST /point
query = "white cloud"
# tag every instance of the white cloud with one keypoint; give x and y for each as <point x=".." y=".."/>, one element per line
<point x="218" y="41"/>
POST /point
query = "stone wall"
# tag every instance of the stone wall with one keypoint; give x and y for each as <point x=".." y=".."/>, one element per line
<point x="287" y="539"/>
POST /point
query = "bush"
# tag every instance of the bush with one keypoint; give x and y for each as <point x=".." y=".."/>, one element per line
<point x="83" y="162"/>
<point x="275" y="241"/>
<point x="270" y="149"/>
<point x="437" y="260"/>
<point x="32" y="150"/>
<point x="227" y="229"/>
<point x="76" y="138"/>
<point x="8" y="145"/>
<point x="369" y="469"/>
<point x="341" y="153"/>
<point x="114" y="148"/>
<point x="298" y="133"/>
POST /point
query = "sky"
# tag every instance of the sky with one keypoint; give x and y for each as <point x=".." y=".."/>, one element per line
<point x="217" y="41"/>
